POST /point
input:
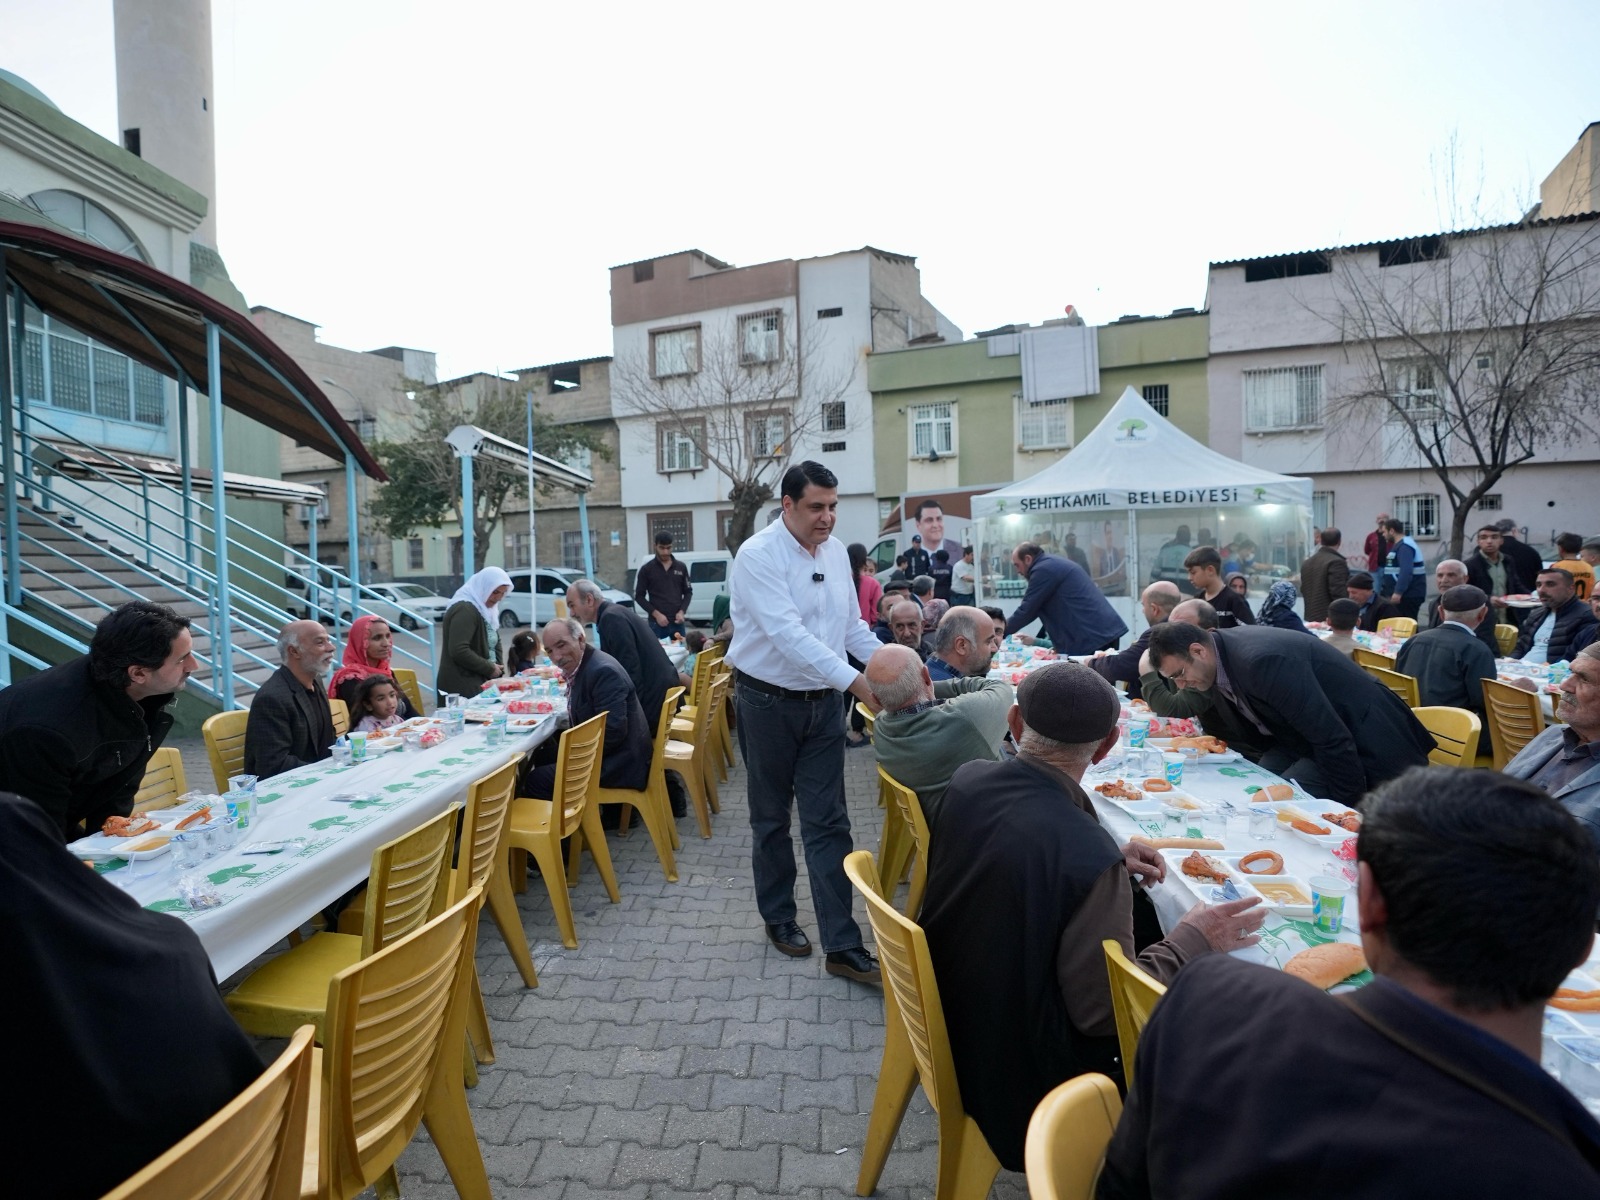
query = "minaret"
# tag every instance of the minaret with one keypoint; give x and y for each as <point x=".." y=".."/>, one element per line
<point x="164" y="93"/>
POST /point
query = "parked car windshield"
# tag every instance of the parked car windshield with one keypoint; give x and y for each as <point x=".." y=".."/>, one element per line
<point x="410" y="591"/>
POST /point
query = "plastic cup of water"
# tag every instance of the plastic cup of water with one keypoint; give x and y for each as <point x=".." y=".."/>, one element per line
<point x="1263" y="823"/>
<point x="186" y="851"/>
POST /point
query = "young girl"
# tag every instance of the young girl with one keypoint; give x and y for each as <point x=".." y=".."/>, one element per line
<point x="524" y="653"/>
<point x="695" y="641"/>
<point x="377" y="705"/>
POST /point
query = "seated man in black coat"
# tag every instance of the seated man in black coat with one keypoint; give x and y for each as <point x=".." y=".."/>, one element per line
<point x="290" y="722"/>
<point x="1122" y="666"/>
<point x="1427" y="1081"/>
<point x="1299" y="708"/>
<point x="627" y="637"/>
<point x="1448" y="661"/>
<point x="596" y="683"/>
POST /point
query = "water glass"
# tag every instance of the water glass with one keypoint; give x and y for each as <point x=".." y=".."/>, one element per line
<point x="455" y="720"/>
<point x="227" y="834"/>
<point x="341" y="753"/>
<point x="1174" y="823"/>
<point x="412" y="738"/>
<point x="1213" y="824"/>
<point x="210" y="846"/>
<point x="1263" y="823"/>
<point x="186" y="851"/>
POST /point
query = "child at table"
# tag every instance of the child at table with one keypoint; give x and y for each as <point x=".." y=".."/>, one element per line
<point x="377" y="705"/>
<point x="524" y="653"/>
<point x="694" y="641"/>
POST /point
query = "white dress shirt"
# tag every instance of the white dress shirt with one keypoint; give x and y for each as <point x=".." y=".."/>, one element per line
<point x="790" y="630"/>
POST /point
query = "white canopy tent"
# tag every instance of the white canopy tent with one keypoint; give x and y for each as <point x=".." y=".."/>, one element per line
<point x="1140" y="491"/>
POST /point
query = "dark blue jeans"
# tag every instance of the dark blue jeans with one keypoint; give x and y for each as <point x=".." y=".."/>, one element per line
<point x="794" y="754"/>
<point x="665" y="631"/>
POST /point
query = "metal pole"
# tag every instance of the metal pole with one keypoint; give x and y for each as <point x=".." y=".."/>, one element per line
<point x="312" y="599"/>
<point x="20" y="354"/>
<point x="533" y="542"/>
<point x="354" y="524"/>
<point x="144" y="488"/>
<point x="7" y="460"/>
<point x="221" y="633"/>
<point x="186" y="466"/>
<point x="583" y="527"/>
<point x="468" y="551"/>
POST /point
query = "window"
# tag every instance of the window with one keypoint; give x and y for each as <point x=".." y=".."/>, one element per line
<point x="1045" y="425"/>
<point x="83" y="376"/>
<point x="679" y="447"/>
<point x="644" y="272"/>
<point x="88" y="220"/>
<point x="1489" y="502"/>
<point x="366" y="428"/>
<point x="768" y="434"/>
<point x="1419" y="513"/>
<point x="1286" y="266"/>
<point x="1414" y="250"/>
<point x="1416" y="392"/>
<point x="759" y="337"/>
<point x="1155" y="395"/>
<point x="933" y="430"/>
<point x="1283" y="398"/>
<point x="833" y="419"/>
<point x="130" y="141"/>
<point x="1485" y="361"/>
<point x="724" y="524"/>
<point x="572" y="548"/>
<point x="565" y="378"/>
<point x="714" y="571"/>
<point x="679" y="524"/>
<point x="824" y="314"/>
<point x="830" y="447"/>
<point x="517" y="549"/>
<point x="413" y="554"/>
<point x="1322" y="510"/>
<point x="675" y="352"/>
<point x="580" y="458"/>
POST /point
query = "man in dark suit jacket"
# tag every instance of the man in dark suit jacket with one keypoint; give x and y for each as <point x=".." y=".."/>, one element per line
<point x="1323" y="576"/>
<point x="1426" y="1082"/>
<point x="1524" y="557"/>
<point x="596" y="683"/>
<point x="1158" y="601"/>
<point x="627" y="637"/>
<point x="1448" y="661"/>
<point x="1077" y="617"/>
<point x="1301" y="709"/>
<point x="290" y="723"/>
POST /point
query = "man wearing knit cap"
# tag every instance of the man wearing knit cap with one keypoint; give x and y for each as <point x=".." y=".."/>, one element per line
<point x="1448" y="661"/>
<point x="1023" y="886"/>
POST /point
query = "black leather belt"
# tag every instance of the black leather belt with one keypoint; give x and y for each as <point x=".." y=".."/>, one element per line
<point x="772" y="689"/>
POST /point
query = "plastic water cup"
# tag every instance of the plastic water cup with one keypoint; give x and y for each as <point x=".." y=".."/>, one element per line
<point x="227" y="833"/>
<point x="186" y="851"/>
<point x="455" y="720"/>
<point x="1327" y="903"/>
<point x="358" y="747"/>
<point x="1263" y="823"/>
<point x="412" y="738"/>
<point x="341" y="752"/>
<point x="1174" y="823"/>
<point x="1172" y="764"/>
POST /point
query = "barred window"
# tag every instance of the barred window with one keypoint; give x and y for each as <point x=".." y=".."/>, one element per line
<point x="1283" y="398"/>
<point x="1155" y="395"/>
<point x="1419" y="513"/>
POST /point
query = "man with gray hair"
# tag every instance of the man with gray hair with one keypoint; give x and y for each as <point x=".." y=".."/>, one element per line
<point x="1165" y="698"/>
<point x="1452" y="573"/>
<point x="929" y="728"/>
<point x="1024" y="884"/>
<point x="961" y="645"/>
<point x="290" y="721"/>
<point x="1564" y="760"/>
<point x="905" y="626"/>
<point x="1122" y="666"/>
<point x="627" y="637"/>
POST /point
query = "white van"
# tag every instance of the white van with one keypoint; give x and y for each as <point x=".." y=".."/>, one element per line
<point x="709" y="573"/>
<point x="533" y="595"/>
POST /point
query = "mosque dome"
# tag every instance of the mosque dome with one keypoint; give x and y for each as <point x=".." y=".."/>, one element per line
<point x="17" y="81"/>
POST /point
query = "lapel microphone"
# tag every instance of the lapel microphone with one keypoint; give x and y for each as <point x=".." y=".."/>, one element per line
<point x="816" y="577"/>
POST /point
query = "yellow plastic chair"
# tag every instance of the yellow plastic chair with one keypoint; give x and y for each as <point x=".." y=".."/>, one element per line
<point x="537" y="826"/>
<point x="653" y="803"/>
<point x="966" y="1165"/>
<point x="692" y="758"/>
<point x="1505" y="637"/>
<point x="868" y="717"/>
<point x="1515" y="719"/>
<point x="708" y="665"/>
<point x="1455" y="734"/>
<point x="1363" y="657"/>
<point x="341" y="716"/>
<point x="253" y="1147"/>
<point x="224" y="738"/>
<point x="395" y="1025"/>
<point x="164" y="781"/>
<point x="1068" y="1136"/>
<point x="1133" y="995"/>
<point x="1398" y="627"/>
<point x="407" y="888"/>
<point x="1404" y="686"/>
<point x="905" y="801"/>
<point x="721" y="730"/>
<point x="407" y="679"/>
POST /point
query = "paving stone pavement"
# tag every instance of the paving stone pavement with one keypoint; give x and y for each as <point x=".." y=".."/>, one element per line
<point x="675" y="1053"/>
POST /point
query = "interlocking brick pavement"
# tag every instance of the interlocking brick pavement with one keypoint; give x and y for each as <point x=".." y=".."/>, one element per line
<point x="675" y="1053"/>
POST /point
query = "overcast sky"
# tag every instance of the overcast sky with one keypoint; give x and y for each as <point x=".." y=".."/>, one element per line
<point x="459" y="177"/>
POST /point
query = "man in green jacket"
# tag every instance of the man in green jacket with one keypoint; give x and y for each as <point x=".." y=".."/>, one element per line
<point x="926" y="729"/>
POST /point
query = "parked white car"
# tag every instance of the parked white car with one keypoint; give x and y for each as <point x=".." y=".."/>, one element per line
<point x="407" y="605"/>
<point x="533" y="595"/>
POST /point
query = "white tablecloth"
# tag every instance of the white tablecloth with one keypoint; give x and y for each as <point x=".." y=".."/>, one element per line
<point x="265" y="896"/>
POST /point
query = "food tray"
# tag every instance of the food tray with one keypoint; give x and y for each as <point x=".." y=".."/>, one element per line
<point x="1329" y="842"/>
<point x="99" y="846"/>
<point x="1209" y="892"/>
<point x="383" y="745"/>
<point x="1202" y="757"/>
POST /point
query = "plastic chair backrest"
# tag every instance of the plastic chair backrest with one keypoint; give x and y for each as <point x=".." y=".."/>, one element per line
<point x="251" y="1149"/>
<point x="908" y="972"/>
<point x="341" y="716"/>
<point x="658" y="753"/>
<point x="224" y="738"/>
<point x="911" y="813"/>
<point x="1505" y="637"/>
<point x="868" y="717"/>
<point x="578" y="770"/>
<point x="1133" y="996"/>
<point x="1455" y="734"/>
<point x="1068" y="1136"/>
<point x="409" y="882"/>
<point x="1371" y="658"/>
<point x="483" y="828"/>
<point x="164" y="780"/>
<point x="706" y="667"/>
<point x="1404" y="686"/>
<point x="394" y="1018"/>
<point x="1515" y="719"/>
<point x="1398" y="627"/>
<point x="407" y="679"/>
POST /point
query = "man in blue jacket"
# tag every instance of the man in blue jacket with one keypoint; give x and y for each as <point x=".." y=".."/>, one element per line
<point x="1405" y="581"/>
<point x="1078" y="619"/>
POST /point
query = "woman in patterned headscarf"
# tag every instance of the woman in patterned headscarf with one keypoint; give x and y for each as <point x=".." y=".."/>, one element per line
<point x="1278" y="608"/>
<point x="471" y="637"/>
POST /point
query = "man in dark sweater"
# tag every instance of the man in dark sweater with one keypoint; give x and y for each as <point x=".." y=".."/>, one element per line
<point x="290" y="722"/>
<point x="1561" y="627"/>
<point x="1427" y="1081"/>
<point x="1205" y="576"/>
<point x="1523" y="556"/>
<point x="626" y="637"/>
<point x="1374" y="608"/>
<point x="662" y="589"/>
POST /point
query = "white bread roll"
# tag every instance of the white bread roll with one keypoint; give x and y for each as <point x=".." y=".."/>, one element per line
<point x="1324" y="966"/>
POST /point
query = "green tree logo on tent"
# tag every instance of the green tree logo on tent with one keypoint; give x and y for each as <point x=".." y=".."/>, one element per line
<point x="1261" y="494"/>
<point x="1131" y="427"/>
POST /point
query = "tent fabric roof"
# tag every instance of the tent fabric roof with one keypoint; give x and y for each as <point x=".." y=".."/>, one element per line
<point x="59" y="273"/>
<point x="1136" y="458"/>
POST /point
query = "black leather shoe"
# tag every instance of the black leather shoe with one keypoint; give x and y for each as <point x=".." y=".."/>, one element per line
<point x="855" y="964"/>
<point x="789" y="938"/>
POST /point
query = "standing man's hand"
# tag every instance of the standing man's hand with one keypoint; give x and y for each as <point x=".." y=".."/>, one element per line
<point x="1395" y="599"/>
<point x="497" y="672"/>
<point x="862" y="691"/>
<point x="677" y="619"/>
<point x="659" y="618"/>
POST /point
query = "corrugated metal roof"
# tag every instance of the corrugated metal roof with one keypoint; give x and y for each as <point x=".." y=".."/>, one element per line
<point x="1538" y="223"/>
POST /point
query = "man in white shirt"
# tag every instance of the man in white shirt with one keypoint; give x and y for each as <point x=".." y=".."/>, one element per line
<point x="795" y="616"/>
<point x="963" y="579"/>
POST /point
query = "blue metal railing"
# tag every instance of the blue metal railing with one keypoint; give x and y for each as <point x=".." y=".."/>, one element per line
<point x="9" y="650"/>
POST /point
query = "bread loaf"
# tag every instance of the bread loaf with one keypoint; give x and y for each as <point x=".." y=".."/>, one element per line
<point x="1184" y="843"/>
<point x="1324" y="966"/>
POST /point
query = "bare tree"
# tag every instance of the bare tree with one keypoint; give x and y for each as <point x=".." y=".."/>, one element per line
<point x="1476" y="351"/>
<point x="736" y="399"/>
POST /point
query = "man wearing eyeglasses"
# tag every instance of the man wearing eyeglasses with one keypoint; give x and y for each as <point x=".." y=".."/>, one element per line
<point x="1304" y="712"/>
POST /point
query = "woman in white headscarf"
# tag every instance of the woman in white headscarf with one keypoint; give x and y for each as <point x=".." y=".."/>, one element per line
<point x="471" y="641"/>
